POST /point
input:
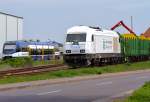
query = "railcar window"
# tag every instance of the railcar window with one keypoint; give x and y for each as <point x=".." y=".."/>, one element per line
<point x="24" y="49"/>
<point x="48" y="51"/>
<point x="76" y="37"/>
<point x="18" y="49"/>
<point x="36" y="52"/>
<point x="39" y="52"/>
<point x="33" y="51"/>
<point x="10" y="47"/>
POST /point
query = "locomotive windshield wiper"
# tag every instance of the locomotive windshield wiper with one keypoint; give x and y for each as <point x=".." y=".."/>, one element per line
<point x="75" y="42"/>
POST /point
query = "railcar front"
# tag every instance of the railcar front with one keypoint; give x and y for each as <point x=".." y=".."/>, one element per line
<point x="12" y="49"/>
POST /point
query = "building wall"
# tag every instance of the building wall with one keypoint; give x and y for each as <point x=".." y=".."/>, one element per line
<point x="20" y="29"/>
<point x="11" y="29"/>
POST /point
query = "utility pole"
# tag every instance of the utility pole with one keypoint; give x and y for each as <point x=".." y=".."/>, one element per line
<point x="131" y="22"/>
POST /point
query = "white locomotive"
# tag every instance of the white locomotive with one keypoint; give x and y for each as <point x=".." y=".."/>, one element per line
<point x="87" y="45"/>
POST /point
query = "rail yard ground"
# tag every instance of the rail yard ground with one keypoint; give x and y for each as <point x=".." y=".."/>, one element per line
<point x="77" y="72"/>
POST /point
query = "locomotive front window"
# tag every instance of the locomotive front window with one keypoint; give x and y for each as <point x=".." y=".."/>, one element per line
<point x="76" y="37"/>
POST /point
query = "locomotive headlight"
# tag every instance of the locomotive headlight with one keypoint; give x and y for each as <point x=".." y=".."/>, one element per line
<point x="82" y="51"/>
<point x="68" y="51"/>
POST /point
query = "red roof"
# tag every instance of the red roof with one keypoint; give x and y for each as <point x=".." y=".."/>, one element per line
<point x="147" y="33"/>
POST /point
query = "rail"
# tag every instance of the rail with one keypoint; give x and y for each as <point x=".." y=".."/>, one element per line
<point x="33" y="70"/>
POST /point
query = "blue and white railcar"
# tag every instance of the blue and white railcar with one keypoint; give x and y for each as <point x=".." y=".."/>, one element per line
<point x="15" y="49"/>
<point x="86" y="45"/>
<point x="37" y="50"/>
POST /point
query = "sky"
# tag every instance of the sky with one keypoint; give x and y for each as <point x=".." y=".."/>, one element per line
<point x="49" y="19"/>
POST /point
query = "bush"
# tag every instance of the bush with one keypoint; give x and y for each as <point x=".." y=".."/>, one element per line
<point x="19" y="62"/>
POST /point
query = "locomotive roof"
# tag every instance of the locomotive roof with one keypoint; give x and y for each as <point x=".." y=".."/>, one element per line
<point x="91" y="30"/>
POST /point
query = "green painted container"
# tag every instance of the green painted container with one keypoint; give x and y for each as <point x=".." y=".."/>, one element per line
<point x="134" y="46"/>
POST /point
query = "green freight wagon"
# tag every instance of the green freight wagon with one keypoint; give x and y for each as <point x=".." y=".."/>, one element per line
<point x="134" y="47"/>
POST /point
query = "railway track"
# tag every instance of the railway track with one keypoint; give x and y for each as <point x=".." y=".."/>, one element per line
<point x="33" y="70"/>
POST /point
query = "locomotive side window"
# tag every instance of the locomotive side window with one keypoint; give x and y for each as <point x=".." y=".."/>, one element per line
<point x="92" y="38"/>
<point x="76" y="37"/>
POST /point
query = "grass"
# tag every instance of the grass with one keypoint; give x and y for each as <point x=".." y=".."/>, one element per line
<point x="21" y="63"/>
<point x="4" y="66"/>
<point x="77" y="72"/>
<point x="140" y="95"/>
